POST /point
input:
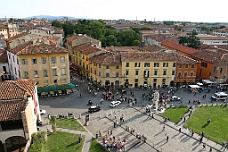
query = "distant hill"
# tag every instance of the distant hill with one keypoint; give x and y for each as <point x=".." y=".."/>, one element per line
<point x="55" y="17"/>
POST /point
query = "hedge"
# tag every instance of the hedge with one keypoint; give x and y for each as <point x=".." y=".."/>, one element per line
<point x="39" y="142"/>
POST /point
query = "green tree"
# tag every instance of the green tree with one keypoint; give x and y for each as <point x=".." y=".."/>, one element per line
<point x="110" y="40"/>
<point x="68" y="28"/>
<point x="136" y="43"/>
<point x="140" y="29"/>
<point x="97" y="29"/>
<point x="126" y="37"/>
<point x="168" y="22"/>
<point x="57" y="24"/>
<point x="190" y="40"/>
<point x="105" y="33"/>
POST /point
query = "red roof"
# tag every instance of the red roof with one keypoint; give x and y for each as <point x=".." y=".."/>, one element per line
<point x="17" y="36"/>
<point x="16" y="89"/>
<point x="11" y="110"/>
<point x="147" y="56"/>
<point x="107" y="58"/>
<point x="179" y="47"/>
<point x="73" y="38"/>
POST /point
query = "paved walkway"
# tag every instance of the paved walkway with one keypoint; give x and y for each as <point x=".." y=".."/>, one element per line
<point x="152" y="129"/>
<point x="104" y="125"/>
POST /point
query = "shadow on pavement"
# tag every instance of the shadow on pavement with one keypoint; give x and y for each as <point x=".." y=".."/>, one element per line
<point x="158" y="133"/>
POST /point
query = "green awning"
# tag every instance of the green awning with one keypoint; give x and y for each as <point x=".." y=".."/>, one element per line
<point x="68" y="86"/>
<point x="55" y="88"/>
<point x="42" y="89"/>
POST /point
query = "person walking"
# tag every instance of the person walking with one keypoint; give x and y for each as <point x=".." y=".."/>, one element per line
<point x="204" y="146"/>
<point x="209" y="120"/>
<point x="179" y="130"/>
<point x="202" y="134"/>
<point x="167" y="138"/>
<point x="163" y="128"/>
<point x="80" y="138"/>
<point x="192" y="133"/>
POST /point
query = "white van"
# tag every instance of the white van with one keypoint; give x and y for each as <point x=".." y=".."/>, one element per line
<point x="219" y="96"/>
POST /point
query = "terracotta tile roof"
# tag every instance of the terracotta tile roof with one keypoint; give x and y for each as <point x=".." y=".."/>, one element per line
<point x="20" y="47"/>
<point x="222" y="30"/>
<point x="27" y="84"/>
<point x="108" y="58"/>
<point x="223" y="47"/>
<point x="11" y="110"/>
<point x="123" y="48"/>
<point x="146" y="32"/>
<point x="157" y="37"/>
<point x="54" y="39"/>
<point x="178" y="33"/>
<point x="71" y="38"/>
<point x="3" y="26"/>
<point x="126" y="25"/>
<point x="211" y="55"/>
<point x="16" y="89"/>
<point x="163" y="27"/>
<point x="87" y="49"/>
<point x="40" y="48"/>
<point x="182" y="59"/>
<point x="82" y="47"/>
<point x="162" y="37"/>
<point x="1" y="73"/>
<point x="151" y="48"/>
<point x="17" y="36"/>
<point x="147" y="56"/>
<point x="3" y="56"/>
<point x="178" y="47"/>
<point x="92" y="50"/>
<point x="173" y="40"/>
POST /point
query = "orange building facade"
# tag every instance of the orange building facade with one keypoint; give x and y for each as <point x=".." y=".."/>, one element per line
<point x="186" y="70"/>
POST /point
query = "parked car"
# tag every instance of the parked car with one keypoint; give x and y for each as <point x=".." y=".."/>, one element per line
<point x="115" y="103"/>
<point x="42" y="111"/>
<point x="175" y="98"/>
<point x="219" y="96"/>
<point x="94" y="109"/>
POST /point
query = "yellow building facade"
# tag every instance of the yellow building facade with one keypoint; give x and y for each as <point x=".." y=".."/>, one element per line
<point x="105" y="69"/>
<point x="155" y="69"/>
<point x="81" y="55"/>
<point x="76" y="40"/>
<point x="46" y="64"/>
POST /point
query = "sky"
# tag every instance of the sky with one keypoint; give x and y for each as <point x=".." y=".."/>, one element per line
<point x="160" y="10"/>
